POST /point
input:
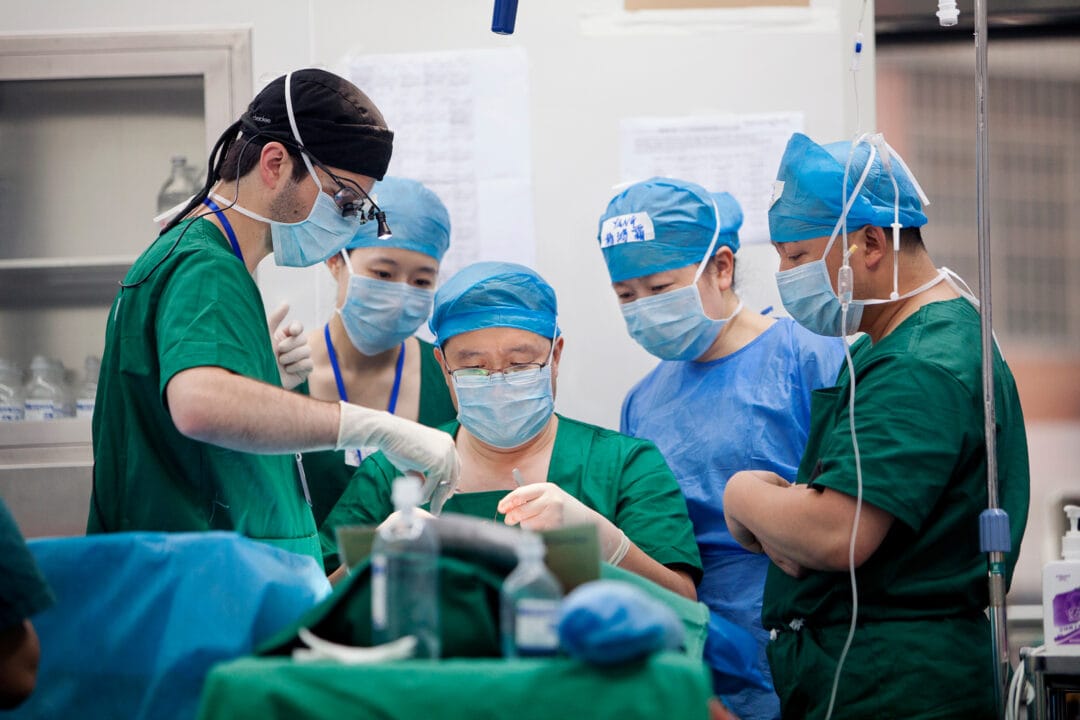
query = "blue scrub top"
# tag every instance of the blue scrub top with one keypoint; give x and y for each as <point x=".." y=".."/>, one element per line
<point x="747" y="411"/>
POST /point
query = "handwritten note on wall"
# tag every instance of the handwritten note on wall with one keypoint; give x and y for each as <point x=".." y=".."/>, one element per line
<point x="738" y="154"/>
<point x="461" y="126"/>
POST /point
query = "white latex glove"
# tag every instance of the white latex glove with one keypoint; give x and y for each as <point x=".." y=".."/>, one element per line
<point x="545" y="506"/>
<point x="420" y="512"/>
<point x="407" y="445"/>
<point x="291" y="348"/>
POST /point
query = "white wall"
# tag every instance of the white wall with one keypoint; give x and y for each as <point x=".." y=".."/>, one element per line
<point x="590" y="64"/>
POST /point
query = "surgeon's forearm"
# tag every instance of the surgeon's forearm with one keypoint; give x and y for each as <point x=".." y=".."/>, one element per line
<point x="638" y="562"/>
<point x="804" y="525"/>
<point x="213" y="405"/>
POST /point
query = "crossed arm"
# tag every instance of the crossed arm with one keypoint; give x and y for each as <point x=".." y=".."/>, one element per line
<point x="798" y="527"/>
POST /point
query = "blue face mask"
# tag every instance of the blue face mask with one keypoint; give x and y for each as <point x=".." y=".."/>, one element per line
<point x="378" y="314"/>
<point x="808" y="296"/>
<point x="673" y="325"/>
<point x="505" y="414"/>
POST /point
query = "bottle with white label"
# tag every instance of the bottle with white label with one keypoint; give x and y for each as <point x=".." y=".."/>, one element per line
<point x="87" y="394"/>
<point x="405" y="574"/>
<point x="1061" y="592"/>
<point x="530" y="604"/>
<point x="43" y="395"/>
<point x="11" y="394"/>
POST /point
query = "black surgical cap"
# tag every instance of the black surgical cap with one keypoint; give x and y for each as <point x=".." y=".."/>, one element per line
<point x="338" y="123"/>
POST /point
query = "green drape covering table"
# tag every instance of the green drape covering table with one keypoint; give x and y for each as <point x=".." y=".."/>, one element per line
<point x="668" y="685"/>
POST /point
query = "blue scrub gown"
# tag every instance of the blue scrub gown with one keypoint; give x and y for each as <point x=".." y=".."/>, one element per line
<point x="747" y="411"/>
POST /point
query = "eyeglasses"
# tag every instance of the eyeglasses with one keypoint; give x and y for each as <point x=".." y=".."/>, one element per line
<point x="353" y="201"/>
<point x="517" y="374"/>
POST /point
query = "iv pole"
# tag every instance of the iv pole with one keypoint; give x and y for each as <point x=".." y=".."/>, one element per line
<point x="994" y="539"/>
<point x="994" y="536"/>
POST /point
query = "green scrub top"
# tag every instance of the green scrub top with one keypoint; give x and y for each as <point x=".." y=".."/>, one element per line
<point x="24" y="591"/>
<point x="623" y="478"/>
<point x="327" y="472"/>
<point x="198" y="306"/>
<point x="922" y="648"/>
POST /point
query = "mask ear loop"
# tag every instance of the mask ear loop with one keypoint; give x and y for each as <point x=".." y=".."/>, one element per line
<point x="296" y="130"/>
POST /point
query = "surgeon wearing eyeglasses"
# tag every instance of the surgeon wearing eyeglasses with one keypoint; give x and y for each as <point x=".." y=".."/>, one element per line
<point x="498" y="340"/>
<point x="193" y="428"/>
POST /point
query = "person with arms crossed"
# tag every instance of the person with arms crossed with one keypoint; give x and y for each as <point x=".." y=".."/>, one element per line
<point x="914" y="468"/>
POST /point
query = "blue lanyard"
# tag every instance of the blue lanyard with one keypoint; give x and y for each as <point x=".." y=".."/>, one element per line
<point x="392" y="405"/>
<point x="229" y="232"/>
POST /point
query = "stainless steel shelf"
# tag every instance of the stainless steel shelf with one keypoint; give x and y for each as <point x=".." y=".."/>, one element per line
<point x="55" y="282"/>
<point x="50" y="443"/>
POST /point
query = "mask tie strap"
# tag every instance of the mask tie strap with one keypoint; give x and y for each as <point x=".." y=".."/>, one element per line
<point x="712" y="243"/>
<point x="348" y="262"/>
<point x="296" y="130"/>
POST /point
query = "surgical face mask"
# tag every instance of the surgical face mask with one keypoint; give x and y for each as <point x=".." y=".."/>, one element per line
<point x="322" y="233"/>
<point x="308" y="242"/>
<point x="808" y="297"/>
<point x="807" y="291"/>
<point x="378" y="314"/>
<point x="505" y="413"/>
<point x="506" y="410"/>
<point x="673" y="325"/>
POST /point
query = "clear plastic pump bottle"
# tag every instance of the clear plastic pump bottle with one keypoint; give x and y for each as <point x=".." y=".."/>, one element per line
<point x="44" y="394"/>
<point x="405" y="574"/>
<point x="530" y="604"/>
<point x="12" y="408"/>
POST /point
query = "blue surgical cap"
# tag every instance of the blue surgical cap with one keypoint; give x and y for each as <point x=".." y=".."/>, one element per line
<point x="416" y="216"/>
<point x="662" y="224"/>
<point x="808" y="195"/>
<point x="493" y="294"/>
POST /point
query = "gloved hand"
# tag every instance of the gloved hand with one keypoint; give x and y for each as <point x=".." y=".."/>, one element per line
<point x="291" y="348"/>
<point x="544" y="506"/>
<point x="407" y="445"/>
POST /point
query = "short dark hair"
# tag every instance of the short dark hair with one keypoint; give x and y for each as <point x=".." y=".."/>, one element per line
<point x="910" y="238"/>
<point x="243" y="155"/>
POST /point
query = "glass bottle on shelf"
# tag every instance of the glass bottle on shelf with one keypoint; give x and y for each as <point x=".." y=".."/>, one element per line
<point x="180" y="186"/>
<point x="44" y="396"/>
<point x="11" y="394"/>
<point x="87" y="394"/>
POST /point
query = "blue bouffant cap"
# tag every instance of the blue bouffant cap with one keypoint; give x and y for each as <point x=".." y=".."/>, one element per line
<point x="494" y="294"/>
<point x="808" y="193"/>
<point x="662" y="224"/>
<point x="419" y="219"/>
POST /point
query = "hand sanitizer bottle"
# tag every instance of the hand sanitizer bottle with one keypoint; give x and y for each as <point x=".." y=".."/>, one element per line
<point x="1061" y="592"/>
